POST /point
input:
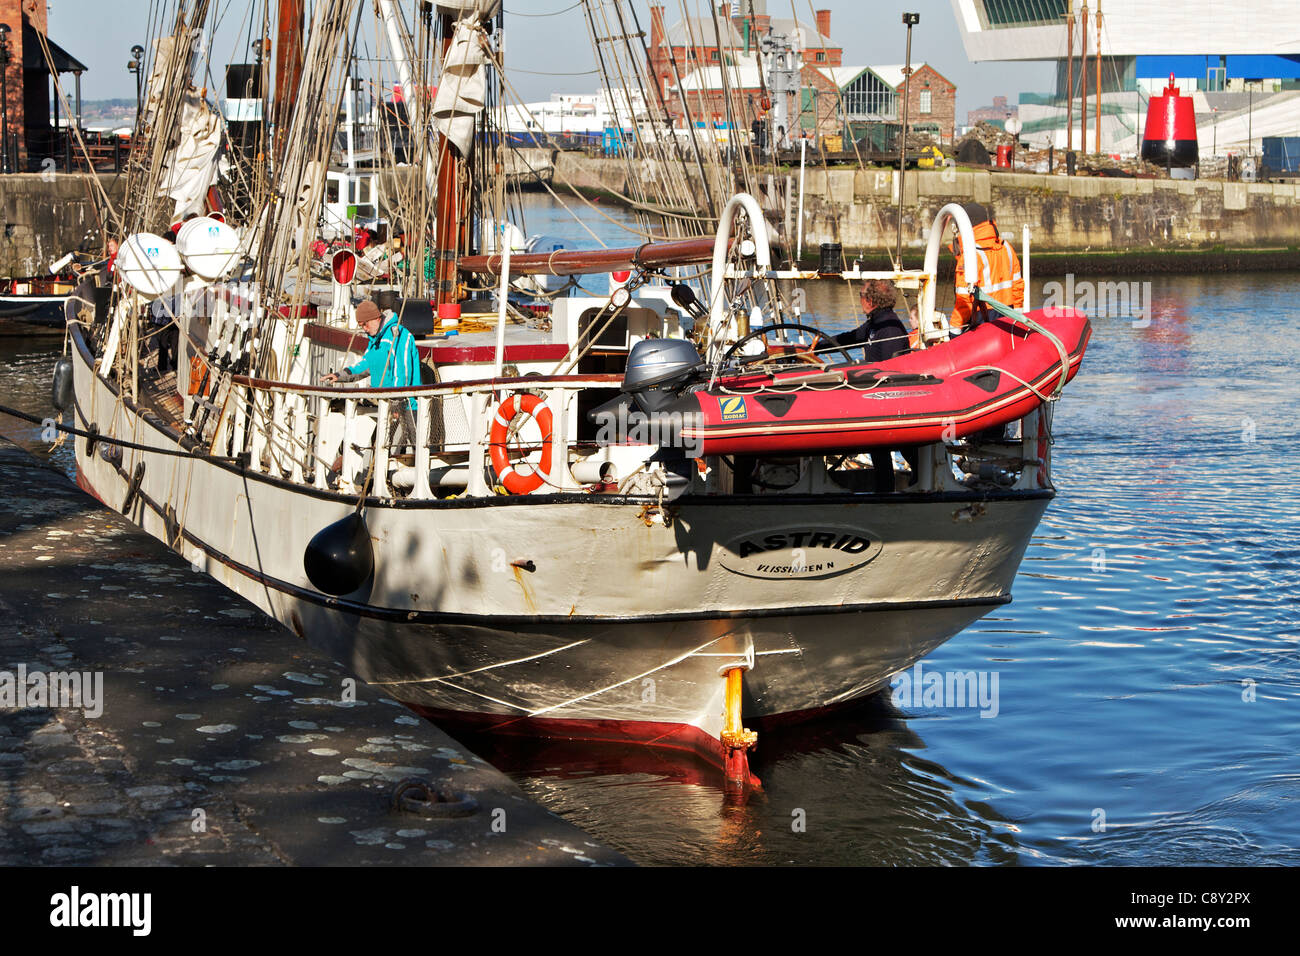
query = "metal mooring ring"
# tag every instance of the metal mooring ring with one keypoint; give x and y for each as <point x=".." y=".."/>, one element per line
<point x="414" y="795"/>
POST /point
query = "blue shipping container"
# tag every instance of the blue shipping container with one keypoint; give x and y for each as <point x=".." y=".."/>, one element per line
<point x="1282" y="154"/>
<point x="616" y="141"/>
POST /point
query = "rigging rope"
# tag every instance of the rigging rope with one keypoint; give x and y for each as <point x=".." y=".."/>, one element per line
<point x="1017" y="316"/>
<point x="554" y="13"/>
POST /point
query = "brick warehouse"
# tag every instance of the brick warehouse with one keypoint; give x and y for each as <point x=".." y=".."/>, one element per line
<point x="688" y="61"/>
<point x="690" y="51"/>
<point x="932" y="102"/>
<point x="28" y="105"/>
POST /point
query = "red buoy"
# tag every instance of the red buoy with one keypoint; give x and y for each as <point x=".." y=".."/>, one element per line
<point x="1170" y="135"/>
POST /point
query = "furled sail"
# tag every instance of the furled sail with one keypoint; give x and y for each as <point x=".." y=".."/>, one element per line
<point x="307" y="207"/>
<point x="479" y="9"/>
<point x="191" y="165"/>
<point x="462" y="87"/>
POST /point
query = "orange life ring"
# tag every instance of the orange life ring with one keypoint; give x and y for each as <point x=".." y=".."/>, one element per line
<point x="514" y="482"/>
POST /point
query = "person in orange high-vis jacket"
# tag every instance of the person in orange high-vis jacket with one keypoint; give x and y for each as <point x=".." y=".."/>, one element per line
<point x="997" y="270"/>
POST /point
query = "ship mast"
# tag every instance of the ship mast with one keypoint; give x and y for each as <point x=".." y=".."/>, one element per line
<point x="1069" y="76"/>
<point x="288" y="67"/>
<point x="1083" y="82"/>
<point x="412" y="94"/>
<point x="1096" y="113"/>
<point x="448" y="219"/>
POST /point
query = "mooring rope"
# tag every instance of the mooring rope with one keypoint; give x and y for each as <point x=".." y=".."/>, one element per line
<point x="1017" y="316"/>
<point x="47" y="422"/>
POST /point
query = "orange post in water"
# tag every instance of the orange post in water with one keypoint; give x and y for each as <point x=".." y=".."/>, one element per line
<point x="736" y="740"/>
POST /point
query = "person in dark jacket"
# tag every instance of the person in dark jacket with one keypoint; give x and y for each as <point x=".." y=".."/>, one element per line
<point x="883" y="335"/>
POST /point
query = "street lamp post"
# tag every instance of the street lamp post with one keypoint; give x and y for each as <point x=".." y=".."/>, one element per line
<point x="1250" y="122"/>
<point x="909" y="20"/>
<point x="135" y="66"/>
<point x="5" y="56"/>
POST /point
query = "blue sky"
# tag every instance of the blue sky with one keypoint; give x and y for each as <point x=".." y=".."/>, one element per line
<point x="101" y="34"/>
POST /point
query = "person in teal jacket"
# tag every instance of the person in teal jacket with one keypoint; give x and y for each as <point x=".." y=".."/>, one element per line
<point x="391" y="359"/>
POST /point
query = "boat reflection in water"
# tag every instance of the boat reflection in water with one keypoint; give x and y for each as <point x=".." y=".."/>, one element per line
<point x="852" y="785"/>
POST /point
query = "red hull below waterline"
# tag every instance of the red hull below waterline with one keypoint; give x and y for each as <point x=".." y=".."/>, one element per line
<point x="662" y="736"/>
<point x="983" y="378"/>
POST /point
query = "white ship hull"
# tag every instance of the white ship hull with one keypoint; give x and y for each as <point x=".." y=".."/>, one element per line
<point x="589" y="616"/>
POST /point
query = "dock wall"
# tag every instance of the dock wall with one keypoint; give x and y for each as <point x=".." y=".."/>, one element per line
<point x="1066" y="214"/>
<point x="46" y="215"/>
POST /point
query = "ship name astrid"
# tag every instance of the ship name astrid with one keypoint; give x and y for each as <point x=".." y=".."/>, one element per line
<point x="848" y="543"/>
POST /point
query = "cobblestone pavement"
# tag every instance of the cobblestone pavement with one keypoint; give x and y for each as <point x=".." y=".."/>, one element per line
<point x="223" y="738"/>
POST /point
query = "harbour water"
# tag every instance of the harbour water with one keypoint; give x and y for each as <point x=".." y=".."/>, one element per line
<point x="1148" y="682"/>
<point x="1143" y="689"/>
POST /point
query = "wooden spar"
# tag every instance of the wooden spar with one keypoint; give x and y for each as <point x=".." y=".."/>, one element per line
<point x="449" y="222"/>
<point x="651" y="255"/>
<point x="288" y="67"/>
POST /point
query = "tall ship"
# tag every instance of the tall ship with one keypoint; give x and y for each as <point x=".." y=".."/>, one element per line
<point x="666" y="514"/>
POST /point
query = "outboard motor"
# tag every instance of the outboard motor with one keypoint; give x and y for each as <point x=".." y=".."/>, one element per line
<point x="659" y="376"/>
<point x="658" y="371"/>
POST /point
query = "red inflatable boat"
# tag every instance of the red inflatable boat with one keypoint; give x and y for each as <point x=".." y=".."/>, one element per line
<point x="991" y="375"/>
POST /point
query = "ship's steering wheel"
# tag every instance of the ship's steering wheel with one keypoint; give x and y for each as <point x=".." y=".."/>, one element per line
<point x="818" y="337"/>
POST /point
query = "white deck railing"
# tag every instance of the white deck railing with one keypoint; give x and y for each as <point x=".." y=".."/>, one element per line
<point x="299" y="433"/>
<point x="289" y="431"/>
